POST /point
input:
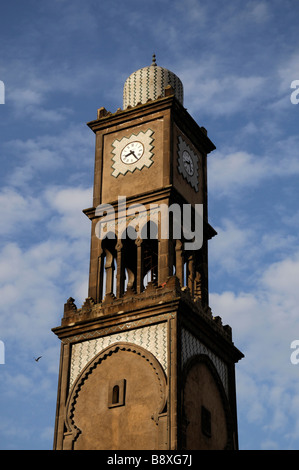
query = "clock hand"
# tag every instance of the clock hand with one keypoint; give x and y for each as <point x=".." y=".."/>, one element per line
<point x="128" y="154"/>
<point x="131" y="153"/>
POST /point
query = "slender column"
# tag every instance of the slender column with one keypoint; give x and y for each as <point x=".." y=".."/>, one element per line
<point x="120" y="275"/>
<point x="179" y="262"/>
<point x="100" y="278"/>
<point x="139" y="280"/>
<point x="190" y="282"/>
<point x="163" y="261"/>
<point x="109" y="268"/>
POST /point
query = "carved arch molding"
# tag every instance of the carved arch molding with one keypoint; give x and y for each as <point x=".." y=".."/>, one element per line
<point x="203" y="390"/>
<point x="138" y="421"/>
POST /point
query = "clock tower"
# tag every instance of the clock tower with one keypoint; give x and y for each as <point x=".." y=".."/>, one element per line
<point x="144" y="362"/>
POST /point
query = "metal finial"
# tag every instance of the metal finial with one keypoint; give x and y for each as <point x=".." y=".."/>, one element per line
<point x="154" y="59"/>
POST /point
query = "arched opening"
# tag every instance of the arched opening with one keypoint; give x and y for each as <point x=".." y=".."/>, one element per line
<point x="109" y="263"/>
<point x="150" y="246"/>
<point x="129" y="258"/>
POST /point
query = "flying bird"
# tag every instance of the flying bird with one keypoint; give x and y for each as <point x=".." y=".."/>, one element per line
<point x="37" y="358"/>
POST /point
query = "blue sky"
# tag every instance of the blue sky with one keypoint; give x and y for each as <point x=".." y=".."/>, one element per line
<point x="60" y="61"/>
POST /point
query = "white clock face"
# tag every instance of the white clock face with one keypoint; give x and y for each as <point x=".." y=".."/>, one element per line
<point x="132" y="152"/>
<point x="188" y="163"/>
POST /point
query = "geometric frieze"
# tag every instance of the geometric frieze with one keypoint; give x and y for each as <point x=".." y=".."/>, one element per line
<point x="153" y="338"/>
<point x="191" y="346"/>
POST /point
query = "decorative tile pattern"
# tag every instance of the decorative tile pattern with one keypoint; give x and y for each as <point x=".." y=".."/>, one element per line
<point x="153" y="338"/>
<point x="149" y="83"/>
<point x="146" y="139"/>
<point x="192" y="346"/>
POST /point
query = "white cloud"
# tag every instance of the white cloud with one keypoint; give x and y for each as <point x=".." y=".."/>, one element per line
<point x="236" y="74"/>
<point x="29" y="97"/>
<point x="281" y="278"/>
<point x="24" y="97"/>
<point x="68" y="204"/>
<point x="231" y="171"/>
<point x="233" y="247"/>
<point x="265" y="321"/>
<point x="288" y="70"/>
<point x="42" y="114"/>
<point x="17" y="211"/>
<point x="34" y="286"/>
<point x="17" y="382"/>
<point x="194" y="13"/>
<point x="32" y="157"/>
<point x="56" y="209"/>
<point x="211" y="90"/>
<point x="66" y="200"/>
<point x="44" y="155"/>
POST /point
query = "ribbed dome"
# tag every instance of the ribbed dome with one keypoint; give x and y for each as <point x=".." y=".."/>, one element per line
<point x="149" y="83"/>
